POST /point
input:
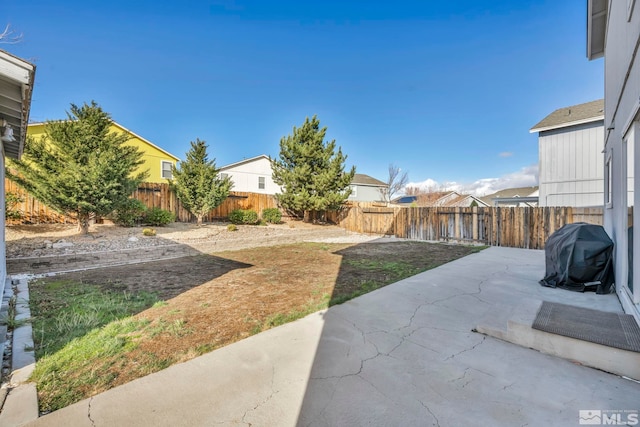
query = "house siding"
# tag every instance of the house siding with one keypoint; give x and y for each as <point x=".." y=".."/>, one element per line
<point x="366" y="193"/>
<point x="245" y="176"/>
<point x="570" y="171"/>
<point x="622" y="92"/>
<point x="152" y="156"/>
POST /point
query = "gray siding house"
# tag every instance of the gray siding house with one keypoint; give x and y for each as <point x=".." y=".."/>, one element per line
<point x="570" y="145"/>
<point x="366" y="189"/>
<point x="613" y="32"/>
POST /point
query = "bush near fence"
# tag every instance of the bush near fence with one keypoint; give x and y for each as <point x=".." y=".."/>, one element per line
<point x="152" y="195"/>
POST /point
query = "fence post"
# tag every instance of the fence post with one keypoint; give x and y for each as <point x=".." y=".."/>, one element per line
<point x="474" y="223"/>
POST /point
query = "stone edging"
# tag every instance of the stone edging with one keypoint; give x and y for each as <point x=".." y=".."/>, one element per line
<point x="21" y="402"/>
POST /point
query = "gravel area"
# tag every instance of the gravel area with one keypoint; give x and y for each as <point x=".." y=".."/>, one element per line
<point x="63" y="239"/>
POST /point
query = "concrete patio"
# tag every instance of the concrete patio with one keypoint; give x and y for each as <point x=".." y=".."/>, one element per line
<point x="406" y="354"/>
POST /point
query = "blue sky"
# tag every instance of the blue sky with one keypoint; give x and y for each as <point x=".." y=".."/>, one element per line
<point x="447" y="91"/>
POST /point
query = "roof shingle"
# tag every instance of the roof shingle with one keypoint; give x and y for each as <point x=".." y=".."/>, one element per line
<point x="363" y="179"/>
<point x="575" y="114"/>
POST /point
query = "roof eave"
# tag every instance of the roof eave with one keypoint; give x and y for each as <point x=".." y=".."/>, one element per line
<point x="370" y="185"/>
<point x="567" y="124"/>
<point x="20" y="73"/>
<point x="596" y="28"/>
<point x="242" y="162"/>
<point x="177" y="159"/>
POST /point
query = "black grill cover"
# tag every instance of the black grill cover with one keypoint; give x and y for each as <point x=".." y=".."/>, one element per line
<point x="579" y="257"/>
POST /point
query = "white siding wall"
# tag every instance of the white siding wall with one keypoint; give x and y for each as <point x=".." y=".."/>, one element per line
<point x="570" y="172"/>
<point x="622" y="92"/>
<point x="246" y="177"/>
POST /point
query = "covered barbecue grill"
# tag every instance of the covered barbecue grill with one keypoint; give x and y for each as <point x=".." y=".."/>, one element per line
<point x="579" y="257"/>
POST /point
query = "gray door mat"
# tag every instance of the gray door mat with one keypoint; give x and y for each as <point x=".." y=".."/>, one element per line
<point x="617" y="330"/>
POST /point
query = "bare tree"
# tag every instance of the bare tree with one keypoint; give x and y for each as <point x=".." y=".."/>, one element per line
<point x="8" y="36"/>
<point x="395" y="182"/>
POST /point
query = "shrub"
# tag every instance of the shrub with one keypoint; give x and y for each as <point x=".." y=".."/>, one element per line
<point x="130" y="213"/>
<point x="148" y="232"/>
<point x="158" y="217"/>
<point x="232" y="227"/>
<point x="243" y="216"/>
<point x="272" y="215"/>
<point x="11" y="201"/>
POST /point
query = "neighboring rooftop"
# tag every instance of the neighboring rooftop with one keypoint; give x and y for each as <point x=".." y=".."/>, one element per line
<point x="439" y="198"/>
<point x="404" y="200"/>
<point x="244" y="161"/>
<point x="124" y="129"/>
<point x="570" y="116"/>
<point x="509" y="193"/>
<point x="362" y="179"/>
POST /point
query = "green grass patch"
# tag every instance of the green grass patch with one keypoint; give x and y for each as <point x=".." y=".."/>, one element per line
<point x="84" y="363"/>
<point x="81" y="333"/>
<point x="62" y="311"/>
<point x="398" y="269"/>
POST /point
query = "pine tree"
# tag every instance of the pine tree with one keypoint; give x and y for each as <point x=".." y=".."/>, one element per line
<point x="197" y="183"/>
<point x="78" y="167"/>
<point x="310" y="172"/>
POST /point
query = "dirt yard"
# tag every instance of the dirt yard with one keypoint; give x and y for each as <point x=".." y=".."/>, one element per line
<point x="221" y="297"/>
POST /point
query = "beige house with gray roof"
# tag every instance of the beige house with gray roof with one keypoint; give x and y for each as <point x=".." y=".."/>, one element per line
<point x="570" y="145"/>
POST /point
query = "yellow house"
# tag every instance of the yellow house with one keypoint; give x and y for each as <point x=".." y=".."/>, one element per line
<point x="156" y="160"/>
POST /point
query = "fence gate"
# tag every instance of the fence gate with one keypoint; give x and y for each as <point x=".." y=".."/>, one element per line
<point x="378" y="221"/>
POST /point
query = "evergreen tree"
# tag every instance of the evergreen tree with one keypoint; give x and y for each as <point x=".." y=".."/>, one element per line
<point x="197" y="183"/>
<point x="78" y="167"/>
<point x="311" y="172"/>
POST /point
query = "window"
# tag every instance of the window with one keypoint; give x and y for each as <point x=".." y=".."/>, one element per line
<point x="608" y="185"/>
<point x="261" y="182"/>
<point x="223" y="175"/>
<point x="354" y="192"/>
<point x="166" y="169"/>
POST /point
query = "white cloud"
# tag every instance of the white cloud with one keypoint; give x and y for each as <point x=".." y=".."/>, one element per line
<point x="525" y="177"/>
<point x="506" y="154"/>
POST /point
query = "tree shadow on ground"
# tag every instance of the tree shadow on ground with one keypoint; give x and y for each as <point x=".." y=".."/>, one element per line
<point x="166" y="278"/>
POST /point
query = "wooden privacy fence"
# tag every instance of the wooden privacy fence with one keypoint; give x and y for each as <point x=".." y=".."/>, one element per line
<point x="496" y="226"/>
<point x="152" y="195"/>
<point x="161" y="196"/>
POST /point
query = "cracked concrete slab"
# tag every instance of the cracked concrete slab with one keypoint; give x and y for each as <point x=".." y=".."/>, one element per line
<point x="403" y="355"/>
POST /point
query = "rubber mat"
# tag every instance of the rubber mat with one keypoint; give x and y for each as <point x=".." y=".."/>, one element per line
<point x="617" y="330"/>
